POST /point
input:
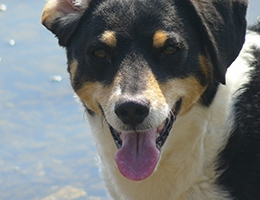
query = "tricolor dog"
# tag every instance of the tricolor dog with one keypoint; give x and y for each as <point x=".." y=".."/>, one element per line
<point x="171" y="89"/>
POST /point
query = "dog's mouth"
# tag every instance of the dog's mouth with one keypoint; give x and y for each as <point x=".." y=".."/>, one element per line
<point x="139" y="151"/>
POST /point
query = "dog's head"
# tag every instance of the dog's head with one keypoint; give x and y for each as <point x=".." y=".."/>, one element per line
<point x="139" y="64"/>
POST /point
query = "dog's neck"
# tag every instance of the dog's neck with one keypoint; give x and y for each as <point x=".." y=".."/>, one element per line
<point x="184" y="163"/>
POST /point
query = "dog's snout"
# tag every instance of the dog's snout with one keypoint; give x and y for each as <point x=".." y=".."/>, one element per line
<point x="132" y="113"/>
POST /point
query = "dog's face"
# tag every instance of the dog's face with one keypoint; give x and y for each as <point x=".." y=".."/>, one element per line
<point x="142" y="64"/>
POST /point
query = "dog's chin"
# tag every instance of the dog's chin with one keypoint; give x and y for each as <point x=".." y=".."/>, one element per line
<point x="139" y="151"/>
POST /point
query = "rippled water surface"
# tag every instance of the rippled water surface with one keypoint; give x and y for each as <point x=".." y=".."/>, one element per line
<point x="46" y="149"/>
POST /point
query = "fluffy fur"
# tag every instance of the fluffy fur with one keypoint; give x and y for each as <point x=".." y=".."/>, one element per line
<point x="131" y="92"/>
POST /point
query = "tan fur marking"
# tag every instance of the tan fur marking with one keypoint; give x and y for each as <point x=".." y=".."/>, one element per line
<point x="49" y="16"/>
<point x="153" y="91"/>
<point x="159" y="39"/>
<point x="90" y="93"/>
<point x="73" y="68"/>
<point x="109" y="38"/>
<point x="205" y="65"/>
<point x="189" y="89"/>
<point x="94" y="94"/>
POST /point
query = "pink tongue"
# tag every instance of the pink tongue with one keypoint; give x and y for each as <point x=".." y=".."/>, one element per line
<point x="138" y="156"/>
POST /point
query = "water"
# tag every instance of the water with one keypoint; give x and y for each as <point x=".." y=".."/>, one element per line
<point x="45" y="142"/>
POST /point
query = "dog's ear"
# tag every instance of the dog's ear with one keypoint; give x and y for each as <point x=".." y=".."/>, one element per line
<point x="61" y="17"/>
<point x="222" y="28"/>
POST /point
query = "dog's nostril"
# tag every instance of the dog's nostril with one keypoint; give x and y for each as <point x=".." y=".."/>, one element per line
<point x="132" y="113"/>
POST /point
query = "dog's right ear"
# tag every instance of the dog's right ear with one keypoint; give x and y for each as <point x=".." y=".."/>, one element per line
<point x="61" y="17"/>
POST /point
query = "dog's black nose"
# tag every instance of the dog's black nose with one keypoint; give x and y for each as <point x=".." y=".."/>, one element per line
<point x="132" y="113"/>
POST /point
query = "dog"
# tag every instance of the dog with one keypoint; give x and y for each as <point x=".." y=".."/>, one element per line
<point x="171" y="91"/>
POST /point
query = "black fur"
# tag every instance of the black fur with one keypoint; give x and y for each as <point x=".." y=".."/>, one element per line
<point x="194" y="30"/>
<point x="240" y="160"/>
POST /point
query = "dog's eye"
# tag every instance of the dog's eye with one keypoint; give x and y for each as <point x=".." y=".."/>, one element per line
<point x="170" y="50"/>
<point x="101" y="53"/>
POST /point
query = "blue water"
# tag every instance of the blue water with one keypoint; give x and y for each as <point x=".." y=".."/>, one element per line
<point x="45" y="141"/>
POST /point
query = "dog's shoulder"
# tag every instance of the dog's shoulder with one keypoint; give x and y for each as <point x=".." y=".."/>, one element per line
<point x="240" y="159"/>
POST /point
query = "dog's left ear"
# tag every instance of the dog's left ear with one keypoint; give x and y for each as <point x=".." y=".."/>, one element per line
<point x="61" y="17"/>
<point x="222" y="28"/>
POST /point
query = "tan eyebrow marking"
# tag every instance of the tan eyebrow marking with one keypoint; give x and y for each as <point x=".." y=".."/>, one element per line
<point x="159" y="38"/>
<point x="109" y="38"/>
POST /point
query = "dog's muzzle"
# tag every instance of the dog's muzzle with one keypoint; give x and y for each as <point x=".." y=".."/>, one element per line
<point x="139" y="150"/>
